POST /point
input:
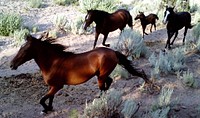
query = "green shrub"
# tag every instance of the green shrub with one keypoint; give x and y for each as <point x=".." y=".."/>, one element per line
<point x="35" y="3"/>
<point x="196" y="18"/>
<point x="188" y="79"/>
<point x="119" y="72"/>
<point x="131" y="44"/>
<point x="75" y="26"/>
<point x="160" y="108"/>
<point x="105" y="5"/>
<point x="196" y="32"/>
<point x="65" y="2"/>
<point x="60" y="21"/>
<point x="73" y="113"/>
<point x="196" y="36"/>
<point x="19" y="35"/>
<point x="101" y="108"/>
<point x="167" y="62"/>
<point x="60" y="2"/>
<point x="130" y="108"/>
<point x="110" y="104"/>
<point x="9" y="23"/>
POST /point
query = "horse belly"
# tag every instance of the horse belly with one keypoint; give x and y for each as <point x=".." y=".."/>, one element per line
<point x="75" y="78"/>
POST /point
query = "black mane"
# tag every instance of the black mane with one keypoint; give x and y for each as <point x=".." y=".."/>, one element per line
<point x="51" y="44"/>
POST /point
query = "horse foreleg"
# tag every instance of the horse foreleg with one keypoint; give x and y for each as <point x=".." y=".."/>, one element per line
<point x="170" y="34"/>
<point x="154" y="26"/>
<point x="151" y="28"/>
<point x="143" y="28"/>
<point x="50" y="96"/>
<point x="185" y="32"/>
<point x="104" y="40"/>
<point x="176" y="34"/>
<point x="96" y="38"/>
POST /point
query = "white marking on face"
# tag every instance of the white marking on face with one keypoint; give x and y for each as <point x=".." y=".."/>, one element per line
<point x="165" y="17"/>
<point x="87" y="17"/>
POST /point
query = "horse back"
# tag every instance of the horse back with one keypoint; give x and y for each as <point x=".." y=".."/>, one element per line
<point x="151" y="18"/>
<point x="116" y="20"/>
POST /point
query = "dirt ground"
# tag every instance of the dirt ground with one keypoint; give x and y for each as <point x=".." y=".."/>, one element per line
<point x="22" y="89"/>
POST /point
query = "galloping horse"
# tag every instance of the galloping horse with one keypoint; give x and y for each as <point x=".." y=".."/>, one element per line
<point x="59" y="67"/>
<point x="145" y="20"/>
<point x="175" y="22"/>
<point x="106" y="22"/>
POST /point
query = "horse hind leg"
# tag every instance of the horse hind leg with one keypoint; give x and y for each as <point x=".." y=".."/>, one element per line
<point x="104" y="40"/>
<point x="96" y="38"/>
<point x="109" y="81"/>
<point x="154" y="26"/>
<point x="50" y="96"/>
<point x="151" y="28"/>
<point x="185" y="32"/>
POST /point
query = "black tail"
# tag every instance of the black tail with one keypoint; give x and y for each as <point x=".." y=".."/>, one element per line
<point x="191" y="26"/>
<point x="157" y="17"/>
<point x="130" y="21"/>
<point x="124" y="62"/>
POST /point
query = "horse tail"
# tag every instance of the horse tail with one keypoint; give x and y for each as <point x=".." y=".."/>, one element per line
<point x="157" y="17"/>
<point x="191" y="26"/>
<point x="124" y="62"/>
<point x="130" y="21"/>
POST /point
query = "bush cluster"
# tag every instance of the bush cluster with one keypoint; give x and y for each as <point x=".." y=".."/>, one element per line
<point x="9" y="22"/>
<point x="110" y="105"/>
<point x="167" y="62"/>
<point x="105" y="5"/>
<point x="130" y="43"/>
<point x="35" y="3"/>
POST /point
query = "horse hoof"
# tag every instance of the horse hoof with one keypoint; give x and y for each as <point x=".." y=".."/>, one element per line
<point x="42" y="113"/>
<point x="108" y="45"/>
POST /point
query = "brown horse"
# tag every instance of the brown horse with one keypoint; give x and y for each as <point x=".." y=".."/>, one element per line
<point x="145" y="20"/>
<point x="106" y="22"/>
<point x="59" y="67"/>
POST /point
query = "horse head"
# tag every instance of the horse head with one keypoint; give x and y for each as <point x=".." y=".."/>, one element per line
<point x="168" y="12"/>
<point x="25" y="53"/>
<point x="140" y="15"/>
<point x="89" y="18"/>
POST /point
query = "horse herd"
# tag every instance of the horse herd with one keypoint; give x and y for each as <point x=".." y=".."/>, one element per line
<point x="106" y="22"/>
<point x="61" y="68"/>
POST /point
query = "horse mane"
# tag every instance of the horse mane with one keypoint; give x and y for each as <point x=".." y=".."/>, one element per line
<point x="51" y="43"/>
<point x="59" y="48"/>
<point x="100" y="13"/>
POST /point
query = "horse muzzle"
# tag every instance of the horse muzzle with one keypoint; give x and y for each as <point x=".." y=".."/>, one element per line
<point x="13" y="67"/>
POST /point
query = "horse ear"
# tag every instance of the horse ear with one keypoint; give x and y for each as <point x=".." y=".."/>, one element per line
<point x="28" y="37"/>
<point x="166" y="6"/>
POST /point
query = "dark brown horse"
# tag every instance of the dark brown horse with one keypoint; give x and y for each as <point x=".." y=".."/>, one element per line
<point x="106" y="22"/>
<point x="175" y="22"/>
<point x="145" y="20"/>
<point x="59" y="67"/>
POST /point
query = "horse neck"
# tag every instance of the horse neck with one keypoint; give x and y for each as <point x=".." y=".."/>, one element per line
<point x="45" y="58"/>
<point x="99" y="16"/>
<point x="173" y="18"/>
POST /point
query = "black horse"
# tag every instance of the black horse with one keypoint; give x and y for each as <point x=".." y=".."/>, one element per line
<point x="106" y="22"/>
<point x="145" y="20"/>
<point x="175" y="22"/>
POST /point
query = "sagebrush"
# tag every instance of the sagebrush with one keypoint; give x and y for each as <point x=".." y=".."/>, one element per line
<point x="9" y="22"/>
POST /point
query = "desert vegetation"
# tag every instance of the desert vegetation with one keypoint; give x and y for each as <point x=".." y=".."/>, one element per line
<point x="163" y="67"/>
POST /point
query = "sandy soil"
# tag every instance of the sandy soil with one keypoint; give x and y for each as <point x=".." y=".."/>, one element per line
<point x="22" y="89"/>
